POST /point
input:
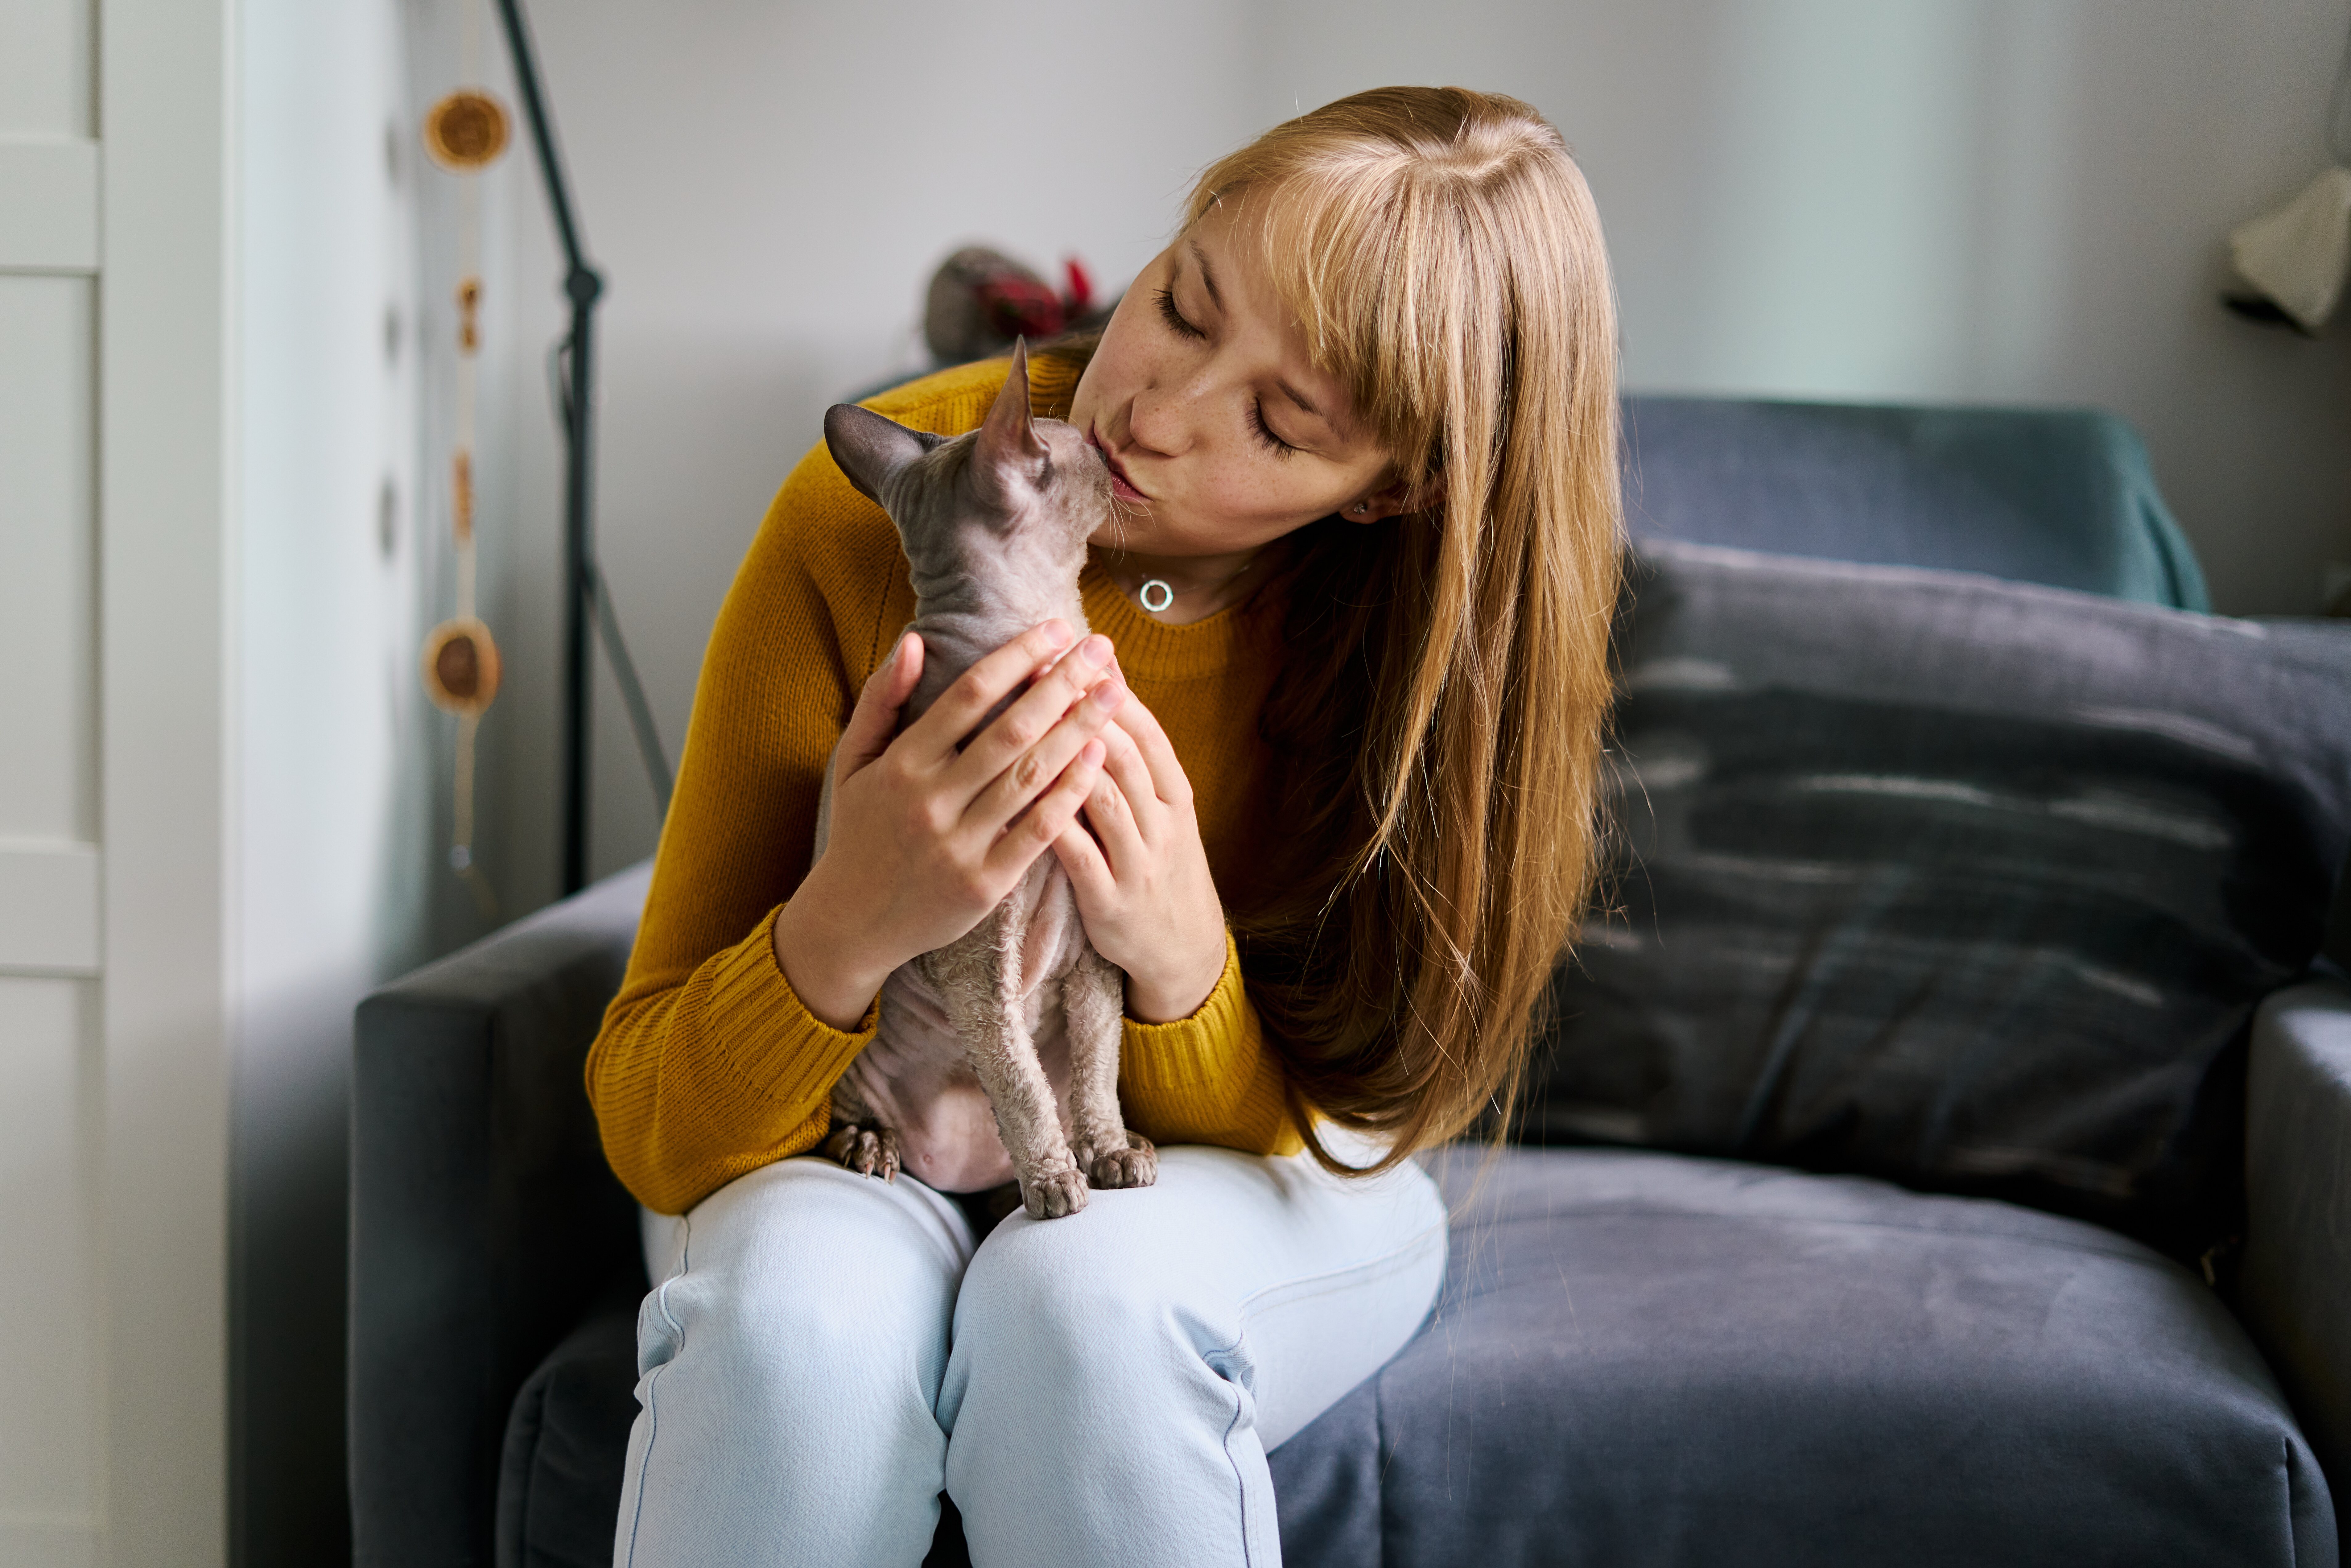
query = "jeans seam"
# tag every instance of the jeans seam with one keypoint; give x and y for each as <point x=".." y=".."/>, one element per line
<point x="652" y="1379"/>
<point x="1218" y="1360"/>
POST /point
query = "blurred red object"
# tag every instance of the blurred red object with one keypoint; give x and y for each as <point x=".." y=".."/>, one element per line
<point x="981" y="299"/>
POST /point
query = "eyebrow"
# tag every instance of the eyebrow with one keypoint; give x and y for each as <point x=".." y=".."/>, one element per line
<point x="1207" y="275"/>
<point x="1217" y="297"/>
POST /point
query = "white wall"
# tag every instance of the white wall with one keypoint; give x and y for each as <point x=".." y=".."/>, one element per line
<point x="342" y="764"/>
<point x="2015" y="201"/>
<point x="766" y="188"/>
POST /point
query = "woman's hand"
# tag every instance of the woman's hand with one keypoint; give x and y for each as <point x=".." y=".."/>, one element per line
<point x="1142" y="874"/>
<point x="922" y="838"/>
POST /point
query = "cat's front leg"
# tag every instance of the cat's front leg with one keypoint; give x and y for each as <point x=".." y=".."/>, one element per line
<point x="977" y="977"/>
<point x="1094" y="1000"/>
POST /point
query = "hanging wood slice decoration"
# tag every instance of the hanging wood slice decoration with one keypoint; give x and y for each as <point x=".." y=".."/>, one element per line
<point x="465" y="131"/>
<point x="460" y="666"/>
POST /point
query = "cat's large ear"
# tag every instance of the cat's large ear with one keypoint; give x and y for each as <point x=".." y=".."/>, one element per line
<point x="1008" y="443"/>
<point x="870" y="447"/>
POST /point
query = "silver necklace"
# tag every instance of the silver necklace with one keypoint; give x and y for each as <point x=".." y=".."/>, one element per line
<point x="1157" y="593"/>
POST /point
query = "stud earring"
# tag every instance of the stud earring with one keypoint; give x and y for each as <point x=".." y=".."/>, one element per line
<point x="1359" y="508"/>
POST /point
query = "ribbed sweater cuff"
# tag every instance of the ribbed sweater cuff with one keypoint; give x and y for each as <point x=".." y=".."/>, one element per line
<point x="1196" y="1051"/>
<point x="776" y="1045"/>
<point x="1207" y="1078"/>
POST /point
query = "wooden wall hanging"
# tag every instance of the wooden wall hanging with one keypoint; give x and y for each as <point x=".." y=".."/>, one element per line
<point x="465" y="133"/>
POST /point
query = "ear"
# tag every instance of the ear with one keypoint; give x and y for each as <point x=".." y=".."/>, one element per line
<point x="869" y="447"/>
<point x="1008" y="442"/>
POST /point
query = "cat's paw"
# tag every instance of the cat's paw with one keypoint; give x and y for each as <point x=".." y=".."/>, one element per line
<point x="1054" y="1194"/>
<point x="1137" y="1165"/>
<point x="869" y="1148"/>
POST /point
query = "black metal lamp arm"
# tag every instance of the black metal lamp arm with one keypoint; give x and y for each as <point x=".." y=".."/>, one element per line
<point x="585" y="600"/>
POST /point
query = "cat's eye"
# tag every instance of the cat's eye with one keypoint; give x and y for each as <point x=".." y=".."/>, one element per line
<point x="1175" y="318"/>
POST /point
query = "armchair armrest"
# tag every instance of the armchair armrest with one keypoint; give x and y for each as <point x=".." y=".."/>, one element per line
<point x="2295" y="1286"/>
<point x="485" y="1221"/>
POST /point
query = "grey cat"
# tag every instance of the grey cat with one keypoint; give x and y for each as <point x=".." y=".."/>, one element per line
<point x="981" y="1040"/>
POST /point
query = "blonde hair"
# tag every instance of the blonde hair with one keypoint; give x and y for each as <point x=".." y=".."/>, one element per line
<point x="1438" y="722"/>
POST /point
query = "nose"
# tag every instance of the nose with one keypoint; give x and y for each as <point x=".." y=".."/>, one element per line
<point x="1156" y="422"/>
<point x="1151" y="424"/>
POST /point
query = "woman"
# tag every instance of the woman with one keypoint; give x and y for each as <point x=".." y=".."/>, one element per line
<point x="1329" y="803"/>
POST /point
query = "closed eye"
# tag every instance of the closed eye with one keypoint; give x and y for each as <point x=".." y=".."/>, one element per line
<point x="1175" y="318"/>
<point x="1273" y="443"/>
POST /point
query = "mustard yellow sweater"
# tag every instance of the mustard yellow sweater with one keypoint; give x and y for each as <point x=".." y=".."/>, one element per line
<point x="709" y="1065"/>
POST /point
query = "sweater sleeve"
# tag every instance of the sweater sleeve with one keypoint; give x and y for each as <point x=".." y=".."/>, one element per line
<point x="709" y="1065"/>
<point x="1209" y="1078"/>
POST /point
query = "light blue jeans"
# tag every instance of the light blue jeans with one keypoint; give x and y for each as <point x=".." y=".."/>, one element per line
<point x="826" y="1352"/>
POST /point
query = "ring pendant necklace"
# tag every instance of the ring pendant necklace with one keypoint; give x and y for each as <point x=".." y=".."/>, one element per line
<point x="1157" y="593"/>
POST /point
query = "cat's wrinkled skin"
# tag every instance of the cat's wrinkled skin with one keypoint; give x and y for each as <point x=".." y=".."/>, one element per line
<point x="997" y="1055"/>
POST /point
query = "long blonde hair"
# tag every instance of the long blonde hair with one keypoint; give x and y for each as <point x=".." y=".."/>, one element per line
<point x="1438" y="721"/>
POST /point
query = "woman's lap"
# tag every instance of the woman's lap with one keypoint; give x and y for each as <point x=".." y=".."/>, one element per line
<point x="1113" y="1381"/>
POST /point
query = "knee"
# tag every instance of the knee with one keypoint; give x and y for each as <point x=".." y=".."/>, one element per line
<point x="805" y="1283"/>
<point x="1060" y="1289"/>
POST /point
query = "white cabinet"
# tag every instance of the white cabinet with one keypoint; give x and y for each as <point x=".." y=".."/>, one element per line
<point x="113" y="1103"/>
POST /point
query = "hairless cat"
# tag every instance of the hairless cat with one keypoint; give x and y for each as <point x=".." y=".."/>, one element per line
<point x="1021" y="1009"/>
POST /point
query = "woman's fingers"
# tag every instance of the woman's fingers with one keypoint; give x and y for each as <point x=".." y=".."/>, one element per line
<point x="963" y="705"/>
<point x="1168" y="779"/>
<point x="1032" y="770"/>
<point x="1050" y="817"/>
<point x="1110" y="810"/>
<point x="1081" y="857"/>
<point x="874" y="719"/>
<point x="1015" y="733"/>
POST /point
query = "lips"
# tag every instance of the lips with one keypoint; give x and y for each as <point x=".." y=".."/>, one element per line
<point x="1121" y="486"/>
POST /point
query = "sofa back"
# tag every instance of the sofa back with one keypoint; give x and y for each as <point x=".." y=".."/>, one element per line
<point x="2060" y="497"/>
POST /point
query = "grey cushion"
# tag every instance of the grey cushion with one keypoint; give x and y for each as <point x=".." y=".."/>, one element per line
<point x="1645" y="1359"/>
<point x="566" y="1435"/>
<point x="1968" y="883"/>
<point x="2061" y="496"/>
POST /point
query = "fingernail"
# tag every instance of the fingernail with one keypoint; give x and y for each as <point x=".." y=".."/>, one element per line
<point x="1091" y="752"/>
<point x="1056" y="633"/>
<point x="1094" y="650"/>
<point x="1108" y="696"/>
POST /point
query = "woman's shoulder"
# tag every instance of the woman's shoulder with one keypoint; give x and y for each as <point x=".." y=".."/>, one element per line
<point x="950" y="402"/>
<point x="944" y="403"/>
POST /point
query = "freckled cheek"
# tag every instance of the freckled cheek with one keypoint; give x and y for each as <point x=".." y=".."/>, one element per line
<point x="1249" y="497"/>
